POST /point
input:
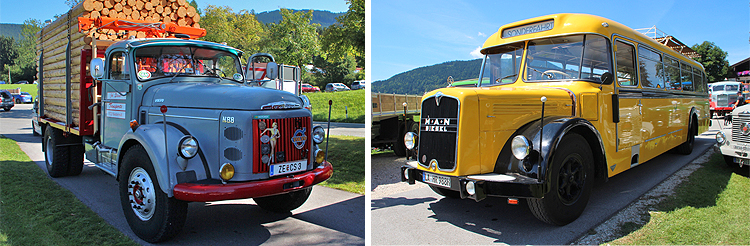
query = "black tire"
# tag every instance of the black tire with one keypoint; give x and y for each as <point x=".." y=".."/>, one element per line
<point x="151" y="214"/>
<point x="571" y="181"/>
<point x="7" y="108"/>
<point x="446" y="192"/>
<point x="284" y="203"/>
<point x="18" y="101"/>
<point x="75" y="165"/>
<point x="686" y="148"/>
<point x="56" y="157"/>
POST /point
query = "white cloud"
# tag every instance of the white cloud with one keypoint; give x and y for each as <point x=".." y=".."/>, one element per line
<point x="476" y="54"/>
<point x="482" y="34"/>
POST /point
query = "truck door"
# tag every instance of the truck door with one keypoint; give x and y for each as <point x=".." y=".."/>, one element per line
<point x="117" y="98"/>
<point x="631" y="108"/>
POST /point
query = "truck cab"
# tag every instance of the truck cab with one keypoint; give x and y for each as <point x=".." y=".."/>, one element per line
<point x="176" y="121"/>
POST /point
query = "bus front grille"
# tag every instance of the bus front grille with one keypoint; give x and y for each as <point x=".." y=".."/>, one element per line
<point x="438" y="133"/>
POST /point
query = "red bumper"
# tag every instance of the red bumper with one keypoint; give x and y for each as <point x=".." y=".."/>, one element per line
<point x="218" y="192"/>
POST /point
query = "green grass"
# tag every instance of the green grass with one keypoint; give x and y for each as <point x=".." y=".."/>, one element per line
<point x="353" y="100"/>
<point x="712" y="206"/>
<point x="31" y="88"/>
<point x="34" y="210"/>
<point x="347" y="155"/>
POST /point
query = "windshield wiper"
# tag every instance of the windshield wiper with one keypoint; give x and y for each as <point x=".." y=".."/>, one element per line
<point x="192" y="51"/>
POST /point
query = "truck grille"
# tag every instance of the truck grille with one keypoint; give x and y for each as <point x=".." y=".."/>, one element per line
<point x="738" y="122"/>
<point x="284" y="147"/>
<point x="723" y="100"/>
<point x="438" y="131"/>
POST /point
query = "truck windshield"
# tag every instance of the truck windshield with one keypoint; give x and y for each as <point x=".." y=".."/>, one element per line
<point x="167" y="61"/>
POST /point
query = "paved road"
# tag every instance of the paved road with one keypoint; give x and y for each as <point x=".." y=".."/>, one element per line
<point x="344" y="129"/>
<point x="403" y="214"/>
<point x="328" y="217"/>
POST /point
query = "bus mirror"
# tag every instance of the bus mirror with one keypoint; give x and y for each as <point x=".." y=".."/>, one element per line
<point x="607" y="78"/>
<point x="97" y="68"/>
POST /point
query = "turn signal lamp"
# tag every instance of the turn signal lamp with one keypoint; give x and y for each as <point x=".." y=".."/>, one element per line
<point x="134" y="125"/>
<point x="320" y="156"/>
<point x="227" y="171"/>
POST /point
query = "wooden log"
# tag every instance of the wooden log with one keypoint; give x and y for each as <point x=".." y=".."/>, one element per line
<point x="148" y="6"/>
<point x="108" y="4"/>
<point x="118" y="7"/>
<point x="105" y="11"/>
<point x="88" y="5"/>
<point x="155" y="2"/>
<point x="191" y="11"/>
<point x="141" y="35"/>
<point x="159" y="9"/>
<point x="196" y="25"/>
<point x="139" y="5"/>
<point x="127" y="10"/>
<point x="117" y="1"/>
<point x="51" y="32"/>
<point x="188" y="21"/>
<point x="131" y="3"/>
<point x="181" y="22"/>
<point x="74" y="12"/>
<point x="60" y="72"/>
<point x="167" y="11"/>
<point x="95" y="14"/>
<point x="113" y="14"/>
<point x="98" y="6"/>
<point x="173" y="16"/>
<point x="182" y="2"/>
<point x="121" y="15"/>
<point x="136" y="15"/>
<point x="181" y="12"/>
<point x="196" y="18"/>
<point x="60" y="40"/>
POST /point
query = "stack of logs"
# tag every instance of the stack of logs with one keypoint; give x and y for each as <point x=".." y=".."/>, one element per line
<point x="53" y="38"/>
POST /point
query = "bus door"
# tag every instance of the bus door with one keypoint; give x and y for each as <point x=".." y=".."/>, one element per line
<point x="629" y="135"/>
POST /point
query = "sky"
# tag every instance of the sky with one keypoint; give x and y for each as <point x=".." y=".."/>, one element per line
<point x="411" y="34"/>
<point x="17" y="11"/>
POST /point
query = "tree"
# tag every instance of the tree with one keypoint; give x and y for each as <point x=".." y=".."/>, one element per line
<point x="8" y="56"/>
<point x="294" y="39"/>
<point x="347" y="36"/>
<point x="240" y="30"/>
<point x="714" y="61"/>
<point x="26" y="46"/>
<point x="339" y="71"/>
<point x="72" y="3"/>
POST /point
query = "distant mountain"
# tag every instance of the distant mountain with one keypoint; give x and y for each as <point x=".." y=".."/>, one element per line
<point x="11" y="30"/>
<point x="420" y="80"/>
<point x="323" y="17"/>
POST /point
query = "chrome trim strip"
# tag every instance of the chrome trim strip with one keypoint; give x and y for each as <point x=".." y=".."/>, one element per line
<point x="185" y="117"/>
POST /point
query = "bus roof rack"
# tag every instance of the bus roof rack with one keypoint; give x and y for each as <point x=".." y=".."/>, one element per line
<point x="669" y="41"/>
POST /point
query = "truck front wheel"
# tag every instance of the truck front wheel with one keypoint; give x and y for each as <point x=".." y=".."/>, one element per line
<point x="151" y="214"/>
<point x="571" y="181"/>
<point x="56" y="157"/>
<point x="284" y="202"/>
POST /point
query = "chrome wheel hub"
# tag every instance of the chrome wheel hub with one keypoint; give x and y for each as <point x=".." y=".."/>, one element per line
<point x="141" y="194"/>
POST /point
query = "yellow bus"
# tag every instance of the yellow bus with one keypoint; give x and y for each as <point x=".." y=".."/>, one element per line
<point x="563" y="102"/>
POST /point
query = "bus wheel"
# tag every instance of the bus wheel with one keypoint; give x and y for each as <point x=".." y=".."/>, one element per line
<point x="687" y="147"/>
<point x="284" y="202"/>
<point x="571" y="179"/>
<point x="445" y="192"/>
<point x="151" y="214"/>
<point x="56" y="157"/>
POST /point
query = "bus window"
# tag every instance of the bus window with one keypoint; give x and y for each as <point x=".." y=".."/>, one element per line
<point x="699" y="86"/>
<point x="650" y="64"/>
<point x="501" y="64"/>
<point x="554" y="58"/>
<point x="596" y="58"/>
<point x="625" y="64"/>
<point x="687" y="76"/>
<point x="673" y="74"/>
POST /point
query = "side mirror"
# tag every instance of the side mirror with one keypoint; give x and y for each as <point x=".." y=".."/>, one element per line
<point x="272" y="70"/>
<point x="97" y="68"/>
<point x="607" y="78"/>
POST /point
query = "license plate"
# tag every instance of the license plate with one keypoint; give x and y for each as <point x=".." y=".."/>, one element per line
<point x="742" y="161"/>
<point x="436" y="179"/>
<point x="287" y="167"/>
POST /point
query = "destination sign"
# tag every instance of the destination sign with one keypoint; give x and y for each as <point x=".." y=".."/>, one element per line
<point x="527" y="29"/>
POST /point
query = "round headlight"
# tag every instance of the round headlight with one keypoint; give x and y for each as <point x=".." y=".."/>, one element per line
<point x="410" y="140"/>
<point x="520" y="147"/>
<point x="319" y="134"/>
<point x="720" y="137"/>
<point x="470" y="188"/>
<point x="188" y="147"/>
<point x="227" y="171"/>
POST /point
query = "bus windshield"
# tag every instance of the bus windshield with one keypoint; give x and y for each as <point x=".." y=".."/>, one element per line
<point x="578" y="57"/>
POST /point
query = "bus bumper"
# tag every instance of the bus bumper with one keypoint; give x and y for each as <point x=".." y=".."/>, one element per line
<point x="491" y="184"/>
<point x="217" y="192"/>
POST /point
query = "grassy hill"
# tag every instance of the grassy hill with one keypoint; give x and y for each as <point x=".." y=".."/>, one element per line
<point x="11" y="30"/>
<point x="323" y="17"/>
<point x="420" y="80"/>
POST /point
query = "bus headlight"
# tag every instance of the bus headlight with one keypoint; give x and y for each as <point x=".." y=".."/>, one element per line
<point x="721" y="138"/>
<point x="410" y="140"/>
<point x="520" y="147"/>
<point x="188" y="147"/>
<point x="319" y="134"/>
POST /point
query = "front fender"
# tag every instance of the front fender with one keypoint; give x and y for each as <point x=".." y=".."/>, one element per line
<point x="151" y="137"/>
<point x="536" y="165"/>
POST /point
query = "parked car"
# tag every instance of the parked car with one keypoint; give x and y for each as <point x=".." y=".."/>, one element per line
<point x="23" y="82"/>
<point x="357" y="85"/>
<point x="331" y="87"/>
<point x="23" y="97"/>
<point x="7" y="98"/>
<point x="35" y="129"/>
<point x="309" y="88"/>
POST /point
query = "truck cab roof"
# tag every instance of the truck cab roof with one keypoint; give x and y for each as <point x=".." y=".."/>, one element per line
<point x="143" y="42"/>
